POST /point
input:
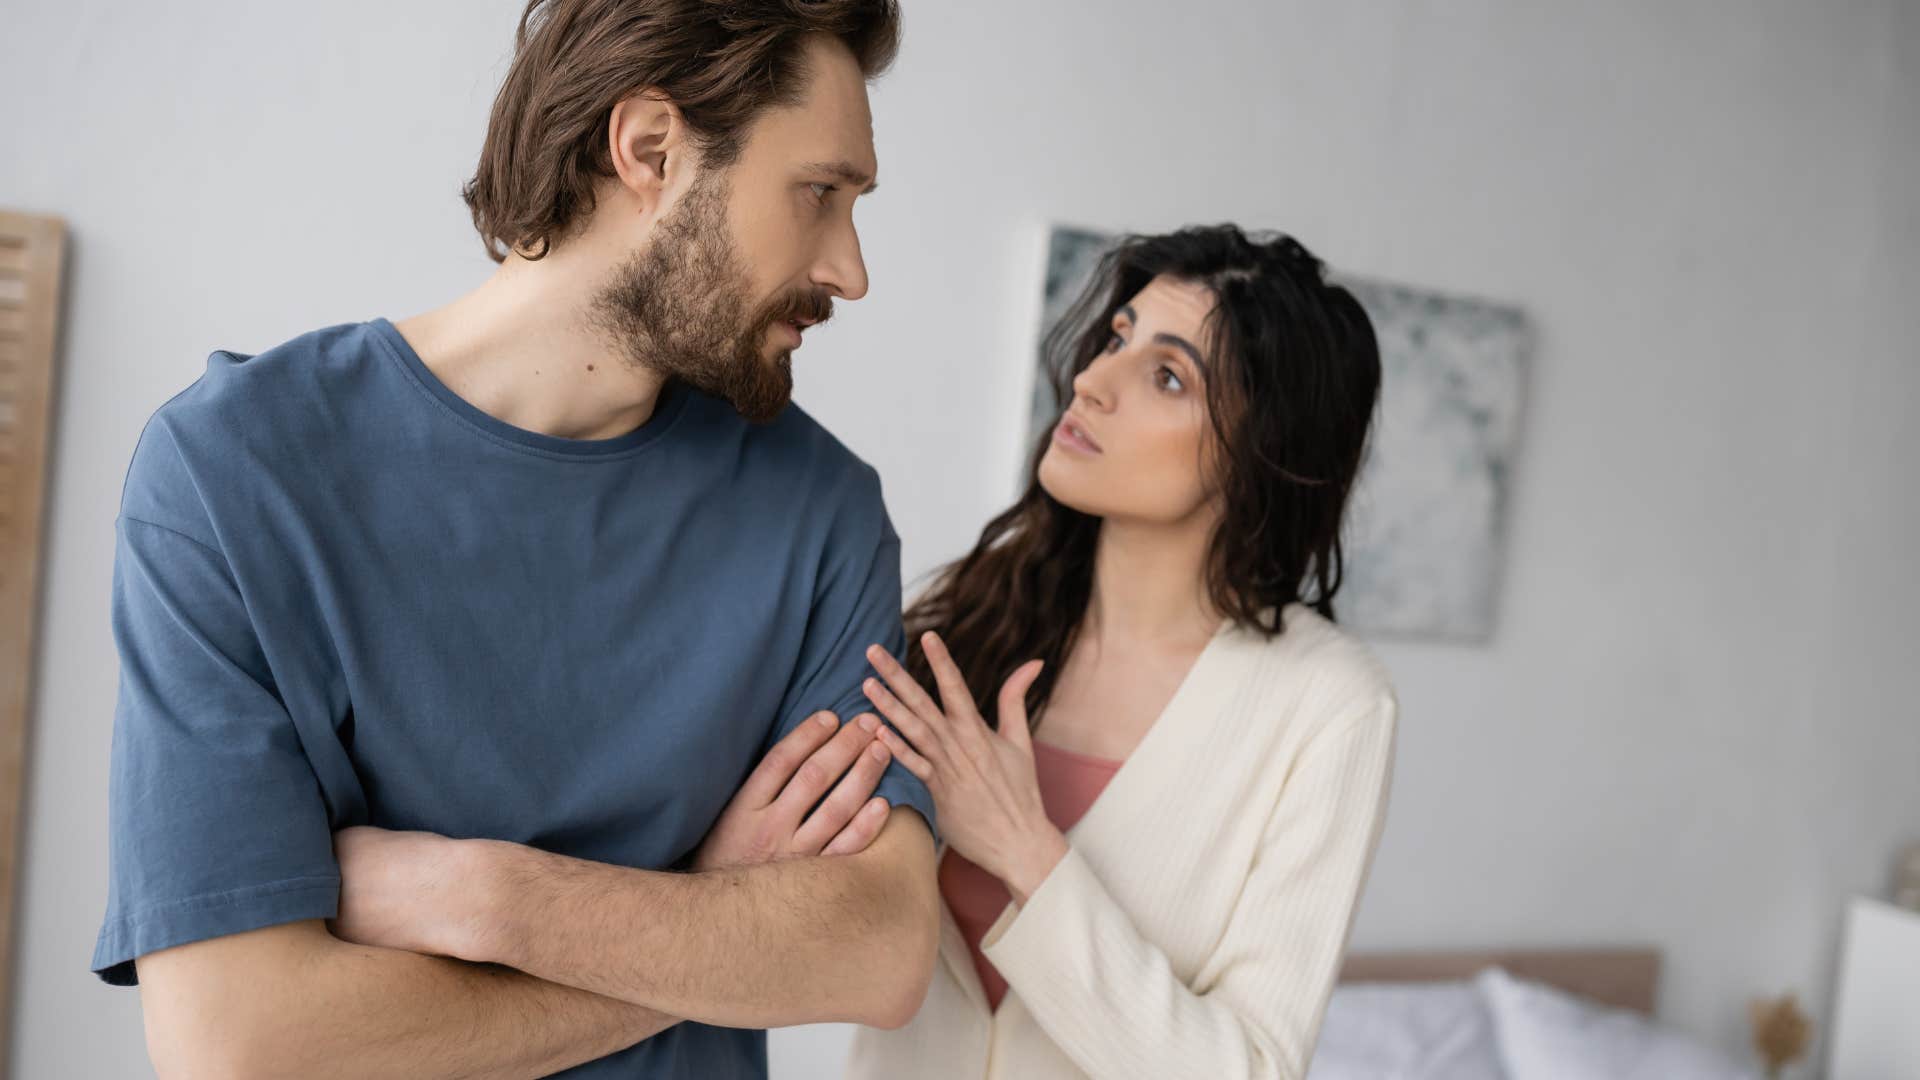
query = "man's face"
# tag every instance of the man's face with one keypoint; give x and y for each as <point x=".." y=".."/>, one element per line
<point x="756" y="252"/>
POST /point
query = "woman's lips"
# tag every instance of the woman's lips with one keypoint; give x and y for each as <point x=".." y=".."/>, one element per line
<point x="1069" y="436"/>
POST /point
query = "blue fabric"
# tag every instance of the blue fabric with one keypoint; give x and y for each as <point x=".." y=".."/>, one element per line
<point x="342" y="596"/>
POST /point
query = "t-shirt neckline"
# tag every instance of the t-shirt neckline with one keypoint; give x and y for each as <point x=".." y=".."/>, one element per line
<point x="667" y="410"/>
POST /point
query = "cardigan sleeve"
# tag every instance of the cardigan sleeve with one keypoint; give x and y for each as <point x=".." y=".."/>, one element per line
<point x="1109" y="998"/>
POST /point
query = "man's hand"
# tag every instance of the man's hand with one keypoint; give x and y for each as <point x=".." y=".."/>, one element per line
<point x="768" y="819"/>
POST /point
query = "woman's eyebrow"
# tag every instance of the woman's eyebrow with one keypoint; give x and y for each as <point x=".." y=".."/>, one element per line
<point x="1174" y="340"/>
<point x="1184" y="346"/>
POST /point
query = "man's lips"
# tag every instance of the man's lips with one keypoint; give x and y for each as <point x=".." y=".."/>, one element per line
<point x="797" y="325"/>
<point x="792" y="331"/>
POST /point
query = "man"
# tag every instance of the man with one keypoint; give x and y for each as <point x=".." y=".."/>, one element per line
<point x="512" y="595"/>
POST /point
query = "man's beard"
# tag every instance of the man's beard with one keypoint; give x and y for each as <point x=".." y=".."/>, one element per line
<point x="680" y="308"/>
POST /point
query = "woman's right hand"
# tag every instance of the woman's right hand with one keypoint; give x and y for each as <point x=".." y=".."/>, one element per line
<point x="767" y="818"/>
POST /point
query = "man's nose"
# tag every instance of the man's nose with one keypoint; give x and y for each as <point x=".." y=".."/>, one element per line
<point x="841" y="270"/>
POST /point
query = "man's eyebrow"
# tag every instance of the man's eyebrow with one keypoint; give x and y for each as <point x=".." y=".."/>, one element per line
<point x="1174" y="340"/>
<point x="846" y="172"/>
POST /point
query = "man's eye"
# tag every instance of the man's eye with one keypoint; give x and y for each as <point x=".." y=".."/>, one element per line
<point x="821" y="191"/>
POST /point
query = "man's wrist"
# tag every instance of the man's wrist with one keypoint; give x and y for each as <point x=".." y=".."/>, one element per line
<point x="478" y="905"/>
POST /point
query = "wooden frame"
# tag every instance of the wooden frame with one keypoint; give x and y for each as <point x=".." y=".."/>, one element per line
<point x="32" y="254"/>
<point x="1625" y="978"/>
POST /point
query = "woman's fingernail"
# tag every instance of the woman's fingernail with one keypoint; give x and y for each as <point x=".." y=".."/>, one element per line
<point x="827" y="719"/>
<point x="870" y="722"/>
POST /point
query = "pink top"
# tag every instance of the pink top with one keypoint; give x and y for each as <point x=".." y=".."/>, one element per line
<point x="1069" y="783"/>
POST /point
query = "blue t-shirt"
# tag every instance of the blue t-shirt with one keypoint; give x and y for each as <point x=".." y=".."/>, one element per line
<point x="344" y="596"/>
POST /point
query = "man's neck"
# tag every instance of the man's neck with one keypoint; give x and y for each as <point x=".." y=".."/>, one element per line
<point x="523" y="349"/>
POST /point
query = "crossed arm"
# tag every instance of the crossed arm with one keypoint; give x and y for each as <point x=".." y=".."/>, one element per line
<point x="790" y="942"/>
<point x="606" y="956"/>
<point x="292" y="1001"/>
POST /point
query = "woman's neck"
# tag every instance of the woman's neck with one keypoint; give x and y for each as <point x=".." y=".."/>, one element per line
<point x="1150" y="587"/>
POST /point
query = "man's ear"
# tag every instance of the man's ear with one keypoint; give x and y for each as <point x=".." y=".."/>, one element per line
<point x="647" y="138"/>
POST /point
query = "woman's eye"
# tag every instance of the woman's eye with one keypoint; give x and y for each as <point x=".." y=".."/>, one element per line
<point x="1113" y="342"/>
<point x="1171" y="377"/>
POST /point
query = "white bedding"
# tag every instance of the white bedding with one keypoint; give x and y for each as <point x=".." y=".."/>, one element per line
<point x="1407" y="1031"/>
<point x="1497" y="1027"/>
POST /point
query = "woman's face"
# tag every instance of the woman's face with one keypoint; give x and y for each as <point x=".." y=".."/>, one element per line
<point x="1135" y="442"/>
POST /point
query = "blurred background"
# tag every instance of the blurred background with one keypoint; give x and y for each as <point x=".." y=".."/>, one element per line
<point x="1692" y="725"/>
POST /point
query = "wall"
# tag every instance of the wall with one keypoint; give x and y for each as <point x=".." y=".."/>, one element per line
<point x="1693" y="727"/>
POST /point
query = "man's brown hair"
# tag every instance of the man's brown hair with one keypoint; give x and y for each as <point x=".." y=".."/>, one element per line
<point x="723" y="62"/>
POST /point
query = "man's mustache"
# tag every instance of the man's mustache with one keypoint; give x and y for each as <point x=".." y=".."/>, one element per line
<point x="811" y="306"/>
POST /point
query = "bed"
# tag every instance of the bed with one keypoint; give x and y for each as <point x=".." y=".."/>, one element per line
<point x="1508" y="1014"/>
<point x="1624" y="978"/>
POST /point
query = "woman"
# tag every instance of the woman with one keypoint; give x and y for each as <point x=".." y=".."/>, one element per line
<point x="1159" y="768"/>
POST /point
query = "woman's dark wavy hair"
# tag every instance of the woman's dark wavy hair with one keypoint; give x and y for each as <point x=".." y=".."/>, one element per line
<point x="1294" y="382"/>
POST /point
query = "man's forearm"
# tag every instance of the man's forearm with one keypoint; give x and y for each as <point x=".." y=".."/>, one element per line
<point x="845" y="938"/>
<point x="322" y="1005"/>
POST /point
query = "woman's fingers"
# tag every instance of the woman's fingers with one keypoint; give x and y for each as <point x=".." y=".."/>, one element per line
<point x="1013" y="703"/>
<point x="965" y="727"/>
<point x="862" y="830"/>
<point x="953" y="685"/>
<point x="907" y="756"/>
<point x="910" y="693"/>
<point x="840" y="808"/>
<point x="916" y="729"/>
<point x="764" y="784"/>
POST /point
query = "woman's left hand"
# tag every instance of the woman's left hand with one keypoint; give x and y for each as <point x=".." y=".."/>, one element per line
<point x="985" y="790"/>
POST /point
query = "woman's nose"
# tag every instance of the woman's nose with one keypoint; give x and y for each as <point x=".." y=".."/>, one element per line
<point x="1091" y="385"/>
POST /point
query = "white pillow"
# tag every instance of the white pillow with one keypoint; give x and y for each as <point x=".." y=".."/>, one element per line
<point x="1406" y="1031"/>
<point x="1547" y="1034"/>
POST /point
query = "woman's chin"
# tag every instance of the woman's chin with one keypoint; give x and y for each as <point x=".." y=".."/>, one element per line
<point x="1057" y="480"/>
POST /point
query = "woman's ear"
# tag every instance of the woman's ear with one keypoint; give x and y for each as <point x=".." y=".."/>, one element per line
<point x="646" y="137"/>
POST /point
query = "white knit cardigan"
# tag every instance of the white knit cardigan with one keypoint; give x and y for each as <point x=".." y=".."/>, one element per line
<point x="1197" y="925"/>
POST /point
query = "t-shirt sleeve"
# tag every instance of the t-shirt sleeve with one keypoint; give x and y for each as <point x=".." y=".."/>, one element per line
<point x="216" y="823"/>
<point x="855" y="604"/>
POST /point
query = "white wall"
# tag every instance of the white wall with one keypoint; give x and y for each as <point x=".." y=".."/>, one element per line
<point x="1694" y="727"/>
